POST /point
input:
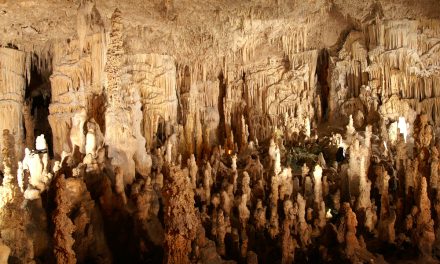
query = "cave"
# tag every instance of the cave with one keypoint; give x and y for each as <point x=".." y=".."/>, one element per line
<point x="96" y="106"/>
<point x="220" y="132"/>
<point x="322" y="73"/>
<point x="38" y="95"/>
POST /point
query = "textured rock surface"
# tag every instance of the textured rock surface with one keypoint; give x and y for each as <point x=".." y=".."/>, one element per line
<point x="219" y="131"/>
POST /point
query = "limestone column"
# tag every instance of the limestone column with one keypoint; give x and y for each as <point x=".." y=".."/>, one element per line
<point x="12" y="90"/>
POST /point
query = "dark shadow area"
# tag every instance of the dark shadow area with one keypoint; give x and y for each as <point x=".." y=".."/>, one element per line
<point x="221" y="109"/>
<point x="96" y="109"/>
<point x="38" y="93"/>
<point x="322" y="73"/>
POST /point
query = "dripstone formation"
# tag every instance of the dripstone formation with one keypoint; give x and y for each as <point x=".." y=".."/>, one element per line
<point x="219" y="131"/>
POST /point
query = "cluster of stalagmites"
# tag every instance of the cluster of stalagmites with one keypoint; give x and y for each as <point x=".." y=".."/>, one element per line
<point x="247" y="206"/>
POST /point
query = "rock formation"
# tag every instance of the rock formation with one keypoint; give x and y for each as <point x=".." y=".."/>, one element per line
<point x="219" y="131"/>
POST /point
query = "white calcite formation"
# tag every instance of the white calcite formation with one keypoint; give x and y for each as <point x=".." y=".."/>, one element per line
<point x="317" y="175"/>
<point x="36" y="166"/>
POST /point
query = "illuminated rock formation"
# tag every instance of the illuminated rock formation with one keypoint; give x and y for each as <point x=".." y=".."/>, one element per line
<point x="291" y="131"/>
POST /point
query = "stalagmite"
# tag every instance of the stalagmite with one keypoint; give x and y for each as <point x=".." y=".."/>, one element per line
<point x="277" y="165"/>
<point x="244" y="212"/>
<point x="260" y="215"/>
<point x="64" y="227"/>
<point x="91" y="140"/>
<point x="245" y="183"/>
<point x="273" y="223"/>
<point x="193" y="169"/>
<point x="180" y="204"/>
<point x="434" y="168"/>
<point x="221" y="233"/>
<point x="119" y="184"/>
<point x="14" y="218"/>
<point x="234" y="163"/>
<point x="351" y="241"/>
<point x="317" y="175"/>
<point x="77" y="136"/>
<point x="304" y="229"/>
<point x="387" y="216"/>
<point x="350" y="129"/>
<point x="425" y="235"/>
<point x="289" y="244"/>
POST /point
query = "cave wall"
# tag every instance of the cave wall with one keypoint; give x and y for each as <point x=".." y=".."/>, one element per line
<point x="395" y="59"/>
<point x="270" y="76"/>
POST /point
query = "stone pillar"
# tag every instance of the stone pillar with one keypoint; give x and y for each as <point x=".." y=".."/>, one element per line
<point x="12" y="90"/>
